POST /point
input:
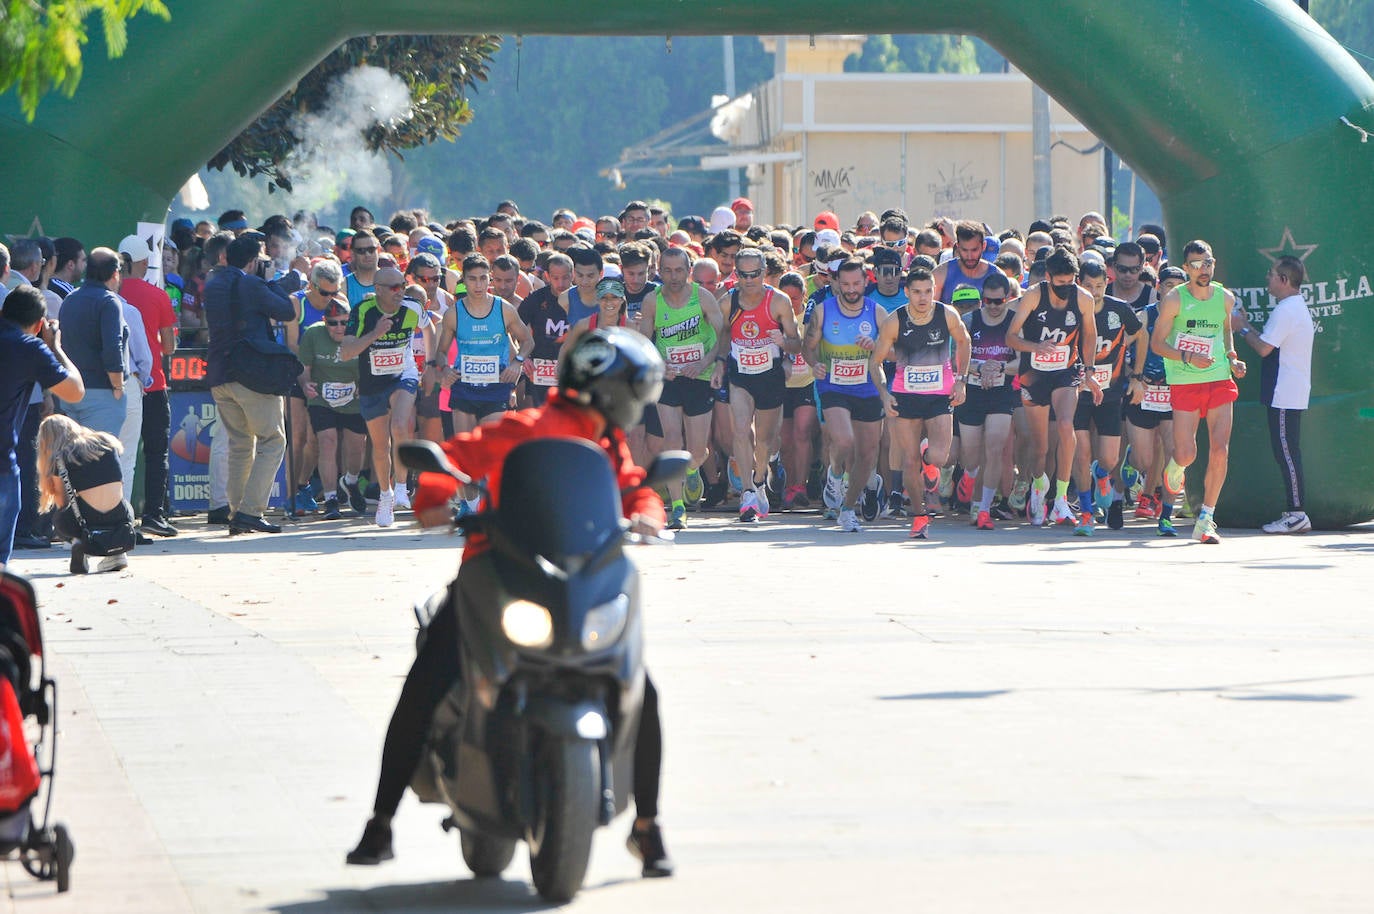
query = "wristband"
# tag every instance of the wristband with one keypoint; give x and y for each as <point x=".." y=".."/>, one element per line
<point x="1231" y="354"/>
<point x="1183" y="357"/>
<point x="520" y="359"/>
<point x="1244" y="331"/>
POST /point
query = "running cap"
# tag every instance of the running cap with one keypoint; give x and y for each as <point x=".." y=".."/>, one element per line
<point x="136" y="248"/>
<point x="722" y="218"/>
<point x="610" y="286"/>
<point x="827" y="220"/>
<point x="965" y="294"/>
<point x="742" y="205"/>
<point x="433" y="246"/>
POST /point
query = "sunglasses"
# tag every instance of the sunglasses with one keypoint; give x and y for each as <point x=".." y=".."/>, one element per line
<point x="364" y="250"/>
<point x="748" y="274"/>
<point x="993" y="301"/>
<point x="336" y="323"/>
<point x="887" y="271"/>
<point x="899" y="243"/>
<point x="427" y="279"/>
<point x="1201" y="264"/>
<point x="1122" y="268"/>
<point x="328" y="292"/>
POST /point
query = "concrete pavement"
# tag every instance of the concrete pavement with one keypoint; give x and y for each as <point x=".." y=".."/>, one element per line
<point x="1015" y="720"/>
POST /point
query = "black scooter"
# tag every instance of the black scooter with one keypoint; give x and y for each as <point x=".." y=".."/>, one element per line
<point x="536" y="742"/>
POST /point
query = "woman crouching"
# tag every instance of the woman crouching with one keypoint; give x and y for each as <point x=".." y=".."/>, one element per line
<point x="78" y="474"/>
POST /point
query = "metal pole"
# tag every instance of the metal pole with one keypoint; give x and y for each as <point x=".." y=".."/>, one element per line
<point x="730" y="91"/>
<point x="1040" y="145"/>
<point x="1108" y="167"/>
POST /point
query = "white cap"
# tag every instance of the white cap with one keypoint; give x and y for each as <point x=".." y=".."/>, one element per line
<point x="828" y="237"/>
<point x="722" y="218"/>
<point x="136" y="248"/>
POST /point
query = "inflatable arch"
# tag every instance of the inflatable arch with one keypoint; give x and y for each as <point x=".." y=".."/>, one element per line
<point x="1230" y="109"/>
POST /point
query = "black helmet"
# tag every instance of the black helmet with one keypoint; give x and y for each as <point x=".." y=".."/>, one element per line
<point x="615" y="371"/>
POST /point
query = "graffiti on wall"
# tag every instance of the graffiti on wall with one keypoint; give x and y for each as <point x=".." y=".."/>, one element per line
<point x="955" y="189"/>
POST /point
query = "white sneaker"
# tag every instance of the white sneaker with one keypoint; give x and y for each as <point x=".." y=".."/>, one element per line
<point x="401" y="497"/>
<point x="748" y="507"/>
<point x="1290" y="522"/>
<point x="117" y="562"/>
<point x="833" y="495"/>
<point x="1037" y="508"/>
<point x="1062" y="513"/>
<point x="849" y="521"/>
<point x="761" y="495"/>
<point x="386" y="510"/>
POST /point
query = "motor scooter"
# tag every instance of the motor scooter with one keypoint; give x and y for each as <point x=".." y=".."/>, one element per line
<point x="535" y="740"/>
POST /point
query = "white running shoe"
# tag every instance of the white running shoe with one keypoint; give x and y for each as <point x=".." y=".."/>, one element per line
<point x="400" y="497"/>
<point x="1290" y="522"/>
<point x="1037" y="508"/>
<point x="748" y="507"/>
<point x="117" y="562"/>
<point x="849" y="521"/>
<point x="386" y="510"/>
<point x="1062" y="513"/>
<point x="833" y="495"/>
<point x="761" y="496"/>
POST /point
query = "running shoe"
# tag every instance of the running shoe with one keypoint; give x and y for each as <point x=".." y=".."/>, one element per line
<point x="1144" y="508"/>
<point x="331" y="508"/>
<point x="386" y="510"/>
<point x="715" y="494"/>
<point x="1166" y="527"/>
<point x="1116" y="515"/>
<point x="678" y="520"/>
<point x="1290" y="522"/>
<point x="815" y="480"/>
<point x="984" y="521"/>
<point x="400" y="497"/>
<point x="894" y="506"/>
<point x="748" y="507"/>
<point x="302" y="503"/>
<point x="833" y="495"/>
<point x="869" y="504"/>
<point x="849" y="521"/>
<point x="1036" y="509"/>
<point x="1102" y="488"/>
<point x="1062" y="513"/>
<point x="1183" y="509"/>
<point x="930" y="477"/>
<point x="732" y="473"/>
<point x="919" y="525"/>
<point x="794" y="499"/>
<point x="1133" y="480"/>
<point x="963" y="490"/>
<point x="761" y="494"/>
<point x="1001" y="510"/>
<point x="777" y="475"/>
<point x="354" y="493"/>
<point x="693" y="487"/>
<point x="1205" y="529"/>
<point x="946" y="483"/>
<point x="1173" y="479"/>
<point x="1019" y="493"/>
<point x="1084" y="527"/>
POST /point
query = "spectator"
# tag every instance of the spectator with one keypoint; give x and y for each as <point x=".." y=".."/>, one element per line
<point x="97" y="339"/>
<point x="30" y="353"/>
<point x="71" y="264"/>
<point x="241" y="306"/>
<point x="79" y="475"/>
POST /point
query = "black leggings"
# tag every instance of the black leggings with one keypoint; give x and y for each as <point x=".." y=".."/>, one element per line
<point x="434" y="671"/>
<point x="1285" y="430"/>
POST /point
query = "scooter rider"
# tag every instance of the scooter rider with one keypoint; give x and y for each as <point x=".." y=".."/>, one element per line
<point x="606" y="380"/>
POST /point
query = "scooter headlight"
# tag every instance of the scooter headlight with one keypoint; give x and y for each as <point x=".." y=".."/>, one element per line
<point x="527" y="624"/>
<point x="605" y="623"/>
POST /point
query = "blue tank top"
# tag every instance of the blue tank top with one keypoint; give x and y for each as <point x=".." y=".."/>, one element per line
<point x="845" y="361"/>
<point x="954" y="275"/>
<point x="483" y="351"/>
<point x="576" y="309"/>
<point x="308" y="312"/>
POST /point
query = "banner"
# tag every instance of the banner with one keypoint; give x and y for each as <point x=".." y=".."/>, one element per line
<point x="195" y="428"/>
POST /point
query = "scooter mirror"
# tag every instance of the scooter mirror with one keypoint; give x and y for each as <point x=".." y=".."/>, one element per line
<point x="668" y="466"/>
<point x="428" y="457"/>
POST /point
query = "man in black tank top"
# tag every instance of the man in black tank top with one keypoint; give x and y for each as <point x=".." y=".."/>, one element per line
<point x="1127" y="263"/>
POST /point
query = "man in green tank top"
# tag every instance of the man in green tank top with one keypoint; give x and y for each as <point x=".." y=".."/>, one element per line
<point x="687" y="327"/>
<point x="1193" y="336"/>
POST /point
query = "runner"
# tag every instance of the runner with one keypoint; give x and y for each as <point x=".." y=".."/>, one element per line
<point x="840" y="341"/>
<point x="924" y="386"/>
<point x="331" y="387"/>
<point x="579" y="301"/>
<point x="967" y="265"/>
<point x="1193" y="335"/>
<point x="985" y="417"/>
<point x="1054" y="326"/>
<point x="379" y="334"/>
<point x="363" y="252"/>
<point x="686" y="325"/>
<point x="1151" y="421"/>
<point x="323" y="286"/>
<point x="762" y="327"/>
<point x="547" y="318"/>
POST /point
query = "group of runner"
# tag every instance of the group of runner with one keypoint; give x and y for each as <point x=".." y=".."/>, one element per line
<point x="887" y="371"/>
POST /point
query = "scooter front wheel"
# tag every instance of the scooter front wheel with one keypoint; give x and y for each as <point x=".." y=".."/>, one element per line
<point x="485" y="855"/>
<point x="561" y="843"/>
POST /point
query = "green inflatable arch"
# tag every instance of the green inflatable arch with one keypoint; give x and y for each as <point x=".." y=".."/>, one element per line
<point x="1230" y="109"/>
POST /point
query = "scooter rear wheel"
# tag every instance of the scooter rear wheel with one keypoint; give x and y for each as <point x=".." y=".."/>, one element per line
<point x="485" y="855"/>
<point x="562" y="844"/>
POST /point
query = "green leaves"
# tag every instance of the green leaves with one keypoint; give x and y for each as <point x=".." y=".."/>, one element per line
<point x="41" y="42"/>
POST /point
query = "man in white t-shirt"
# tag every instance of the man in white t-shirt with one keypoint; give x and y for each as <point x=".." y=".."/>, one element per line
<point x="1285" y="380"/>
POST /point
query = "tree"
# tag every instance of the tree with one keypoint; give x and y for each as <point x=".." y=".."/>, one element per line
<point x="1351" y="22"/>
<point x="922" y="54"/>
<point x="438" y="70"/>
<point x="41" y="40"/>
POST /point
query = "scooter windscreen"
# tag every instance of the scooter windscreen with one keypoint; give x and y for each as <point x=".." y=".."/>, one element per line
<point x="559" y="498"/>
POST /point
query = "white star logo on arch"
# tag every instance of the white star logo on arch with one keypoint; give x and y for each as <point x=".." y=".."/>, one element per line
<point x="1287" y="247"/>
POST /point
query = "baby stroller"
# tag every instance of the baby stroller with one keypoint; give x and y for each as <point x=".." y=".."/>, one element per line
<point x="45" y="851"/>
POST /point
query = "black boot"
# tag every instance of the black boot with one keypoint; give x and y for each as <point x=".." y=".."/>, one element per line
<point x="78" y="565"/>
<point x="374" y="846"/>
<point x="647" y="845"/>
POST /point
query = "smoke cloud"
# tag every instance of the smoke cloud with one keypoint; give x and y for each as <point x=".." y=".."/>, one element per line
<point x="332" y="159"/>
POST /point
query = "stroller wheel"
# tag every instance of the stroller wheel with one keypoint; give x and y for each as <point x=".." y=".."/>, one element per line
<point x="63" y="854"/>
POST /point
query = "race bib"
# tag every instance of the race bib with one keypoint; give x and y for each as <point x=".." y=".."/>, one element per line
<point x="1194" y="344"/>
<point x="545" y="372"/>
<point x="754" y="361"/>
<point x="1055" y="361"/>
<point x="924" y="379"/>
<point x="1103" y="374"/>
<point x="684" y="355"/>
<point x="387" y="361"/>
<point x="479" y="369"/>
<point x="337" y="393"/>
<point x="1157" y="399"/>
<point x="849" y="371"/>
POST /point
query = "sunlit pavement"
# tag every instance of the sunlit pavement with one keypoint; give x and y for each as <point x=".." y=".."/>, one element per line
<point x="1007" y="721"/>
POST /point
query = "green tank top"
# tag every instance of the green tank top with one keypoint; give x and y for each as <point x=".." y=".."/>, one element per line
<point x="684" y="334"/>
<point x="1200" y="328"/>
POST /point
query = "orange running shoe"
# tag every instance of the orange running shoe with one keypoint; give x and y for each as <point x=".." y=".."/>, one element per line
<point x="919" y="524"/>
<point x="985" y="521"/>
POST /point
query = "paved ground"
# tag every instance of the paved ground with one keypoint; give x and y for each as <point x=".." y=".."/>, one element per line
<point x="1015" y="721"/>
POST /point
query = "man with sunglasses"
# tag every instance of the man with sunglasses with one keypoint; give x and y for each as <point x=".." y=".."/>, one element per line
<point x="968" y="264"/>
<point x="323" y="286"/>
<point x="1193" y="334"/>
<point x="1127" y="264"/>
<point x="330" y="385"/>
<point x="363" y="248"/>
<point x="424" y="270"/>
<point x="608" y="230"/>
<point x="985" y="416"/>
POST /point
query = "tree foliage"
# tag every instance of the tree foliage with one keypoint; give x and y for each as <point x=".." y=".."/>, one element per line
<point x="438" y="70"/>
<point x="41" y="42"/>
<point x="915" y="54"/>
<point x="1351" y="22"/>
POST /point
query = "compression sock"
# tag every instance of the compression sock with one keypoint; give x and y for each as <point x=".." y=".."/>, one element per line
<point x="1085" y="501"/>
<point x="1061" y="489"/>
<point x="1041" y="483"/>
<point x="985" y="503"/>
<point x="896" y="481"/>
<point x="1166" y="505"/>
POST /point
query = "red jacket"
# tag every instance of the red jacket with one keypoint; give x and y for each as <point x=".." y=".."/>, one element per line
<point x="482" y="452"/>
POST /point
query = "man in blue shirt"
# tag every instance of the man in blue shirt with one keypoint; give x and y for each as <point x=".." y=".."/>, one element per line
<point x="97" y="340"/>
<point x="30" y="352"/>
